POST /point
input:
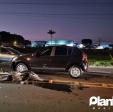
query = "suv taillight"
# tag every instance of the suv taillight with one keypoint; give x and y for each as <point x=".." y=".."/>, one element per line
<point x="84" y="57"/>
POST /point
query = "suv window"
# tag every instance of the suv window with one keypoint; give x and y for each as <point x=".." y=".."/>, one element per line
<point x="70" y="49"/>
<point x="63" y="51"/>
<point x="46" y="52"/>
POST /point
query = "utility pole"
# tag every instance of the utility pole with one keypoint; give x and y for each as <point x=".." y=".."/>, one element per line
<point x="99" y="41"/>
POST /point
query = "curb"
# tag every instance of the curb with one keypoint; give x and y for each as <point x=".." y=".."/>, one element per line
<point x="100" y="66"/>
<point x="106" y="74"/>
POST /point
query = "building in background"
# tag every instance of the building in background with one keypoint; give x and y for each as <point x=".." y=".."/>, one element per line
<point x="60" y="42"/>
<point x="38" y="43"/>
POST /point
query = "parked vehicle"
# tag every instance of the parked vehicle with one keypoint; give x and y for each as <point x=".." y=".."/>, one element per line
<point x="6" y="55"/>
<point x="56" y="58"/>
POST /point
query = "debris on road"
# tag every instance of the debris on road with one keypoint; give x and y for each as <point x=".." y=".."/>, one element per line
<point x="20" y="77"/>
<point x="29" y="77"/>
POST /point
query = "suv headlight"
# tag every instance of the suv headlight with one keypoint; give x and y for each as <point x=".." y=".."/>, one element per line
<point x="28" y="59"/>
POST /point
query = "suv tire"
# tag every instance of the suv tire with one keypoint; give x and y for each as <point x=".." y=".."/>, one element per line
<point x="20" y="67"/>
<point x="75" y="71"/>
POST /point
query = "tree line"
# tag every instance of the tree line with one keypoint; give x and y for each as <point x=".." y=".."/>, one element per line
<point x="6" y="38"/>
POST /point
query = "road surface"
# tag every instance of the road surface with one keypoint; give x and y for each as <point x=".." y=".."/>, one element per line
<point x="108" y="70"/>
<point x="40" y="98"/>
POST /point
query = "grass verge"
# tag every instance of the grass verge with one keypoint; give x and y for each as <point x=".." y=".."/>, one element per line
<point x="100" y="60"/>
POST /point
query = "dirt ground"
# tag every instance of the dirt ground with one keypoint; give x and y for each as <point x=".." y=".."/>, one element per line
<point x="32" y="98"/>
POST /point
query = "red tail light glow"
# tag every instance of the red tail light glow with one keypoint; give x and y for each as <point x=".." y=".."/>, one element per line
<point x="84" y="58"/>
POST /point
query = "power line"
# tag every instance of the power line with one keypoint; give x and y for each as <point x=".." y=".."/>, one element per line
<point x="63" y="15"/>
<point x="56" y="14"/>
<point x="31" y="3"/>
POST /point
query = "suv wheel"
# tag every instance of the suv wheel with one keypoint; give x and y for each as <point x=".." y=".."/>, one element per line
<point x="21" y="67"/>
<point x="75" y="71"/>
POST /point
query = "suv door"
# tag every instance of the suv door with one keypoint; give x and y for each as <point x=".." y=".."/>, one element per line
<point x="40" y="60"/>
<point x="61" y="57"/>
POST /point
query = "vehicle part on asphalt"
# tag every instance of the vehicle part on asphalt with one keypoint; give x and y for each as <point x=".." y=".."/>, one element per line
<point x="20" y="76"/>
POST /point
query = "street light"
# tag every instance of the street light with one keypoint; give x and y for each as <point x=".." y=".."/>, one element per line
<point x="15" y="43"/>
<point x="51" y="32"/>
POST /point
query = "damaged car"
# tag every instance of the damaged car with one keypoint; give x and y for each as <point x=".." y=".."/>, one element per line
<point x="6" y="55"/>
<point x="53" y="58"/>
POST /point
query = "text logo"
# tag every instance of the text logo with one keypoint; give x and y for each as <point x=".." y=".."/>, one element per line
<point x="97" y="101"/>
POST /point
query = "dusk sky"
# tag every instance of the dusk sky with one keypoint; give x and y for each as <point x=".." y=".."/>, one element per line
<point x="70" y="19"/>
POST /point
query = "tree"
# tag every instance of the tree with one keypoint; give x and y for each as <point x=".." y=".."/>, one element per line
<point x="87" y="42"/>
<point x="9" y="39"/>
<point x="27" y="42"/>
<point x="51" y="32"/>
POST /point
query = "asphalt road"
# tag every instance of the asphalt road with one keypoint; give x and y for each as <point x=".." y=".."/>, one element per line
<point x="57" y="97"/>
<point x="108" y="70"/>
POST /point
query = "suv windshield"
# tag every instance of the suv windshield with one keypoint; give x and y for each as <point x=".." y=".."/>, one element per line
<point x="13" y="51"/>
